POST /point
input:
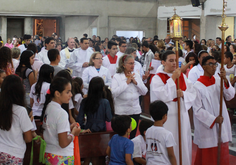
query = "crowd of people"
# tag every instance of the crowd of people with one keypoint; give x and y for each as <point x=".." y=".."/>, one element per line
<point x="92" y="85"/>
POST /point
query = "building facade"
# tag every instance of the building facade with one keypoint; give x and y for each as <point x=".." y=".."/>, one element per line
<point x="74" y="17"/>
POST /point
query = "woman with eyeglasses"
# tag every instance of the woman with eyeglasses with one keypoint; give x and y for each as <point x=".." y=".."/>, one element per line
<point x="96" y="69"/>
<point x="126" y="88"/>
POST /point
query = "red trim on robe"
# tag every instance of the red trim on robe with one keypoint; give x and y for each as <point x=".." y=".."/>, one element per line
<point x="208" y="156"/>
<point x="213" y="124"/>
<point x="182" y="85"/>
<point x="111" y="59"/>
<point x="208" y="81"/>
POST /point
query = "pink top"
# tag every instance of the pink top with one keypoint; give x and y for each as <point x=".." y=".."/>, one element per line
<point x="9" y="45"/>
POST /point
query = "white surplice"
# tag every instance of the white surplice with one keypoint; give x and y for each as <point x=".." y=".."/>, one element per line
<point x="111" y="63"/>
<point x="77" y="59"/>
<point x="91" y="72"/>
<point x="167" y="93"/>
<point x="206" y="109"/>
<point x="43" y="56"/>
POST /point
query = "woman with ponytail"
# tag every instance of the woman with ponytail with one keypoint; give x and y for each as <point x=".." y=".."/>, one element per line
<point x="38" y="90"/>
<point x="55" y="124"/>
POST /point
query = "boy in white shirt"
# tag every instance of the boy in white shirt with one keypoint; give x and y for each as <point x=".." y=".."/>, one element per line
<point x="159" y="141"/>
<point x="139" y="141"/>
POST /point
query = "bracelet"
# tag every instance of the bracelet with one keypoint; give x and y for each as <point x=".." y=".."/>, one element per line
<point x="81" y="130"/>
<point x="72" y="137"/>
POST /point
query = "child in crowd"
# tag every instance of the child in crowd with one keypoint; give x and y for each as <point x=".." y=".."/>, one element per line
<point x="230" y="68"/>
<point x="15" y="57"/>
<point x="120" y="148"/>
<point x="15" y="124"/>
<point x="159" y="141"/>
<point x="37" y="63"/>
<point x="190" y="61"/>
<point x="54" y="58"/>
<point x="140" y="143"/>
<point x="158" y="58"/>
<point x="78" y="95"/>
<point x="96" y="108"/>
<point x="59" y="149"/>
<point x="39" y="90"/>
<point x="25" y="71"/>
<point x="2" y="77"/>
<point x="68" y="107"/>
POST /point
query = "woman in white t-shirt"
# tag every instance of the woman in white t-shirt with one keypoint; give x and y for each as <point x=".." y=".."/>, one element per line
<point x="56" y="125"/>
<point x="67" y="107"/>
<point x="39" y="90"/>
<point x="15" y="124"/>
<point x="25" y="71"/>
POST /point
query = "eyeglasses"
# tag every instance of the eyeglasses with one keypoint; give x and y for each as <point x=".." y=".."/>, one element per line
<point x="212" y="64"/>
<point x="131" y="63"/>
<point x="98" y="58"/>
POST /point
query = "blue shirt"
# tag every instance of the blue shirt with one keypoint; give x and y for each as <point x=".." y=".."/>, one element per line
<point x="119" y="147"/>
<point x="96" y="122"/>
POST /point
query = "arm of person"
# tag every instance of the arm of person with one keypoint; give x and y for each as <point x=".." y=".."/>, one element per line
<point x="128" y="159"/>
<point x="142" y="89"/>
<point x="32" y="78"/>
<point x="140" y="161"/>
<point x="164" y="92"/>
<point x="31" y="102"/>
<point x="137" y="154"/>
<point x="75" y="63"/>
<point x="228" y="90"/>
<point x="118" y="88"/>
<point x="200" y="113"/>
<point x="108" y="151"/>
<point x="108" y="79"/>
<point x="185" y="67"/>
<point x="171" y="155"/>
<point x="26" y="125"/>
<point x="71" y="118"/>
<point x="189" y="94"/>
<point x="64" y="139"/>
<point x="27" y="136"/>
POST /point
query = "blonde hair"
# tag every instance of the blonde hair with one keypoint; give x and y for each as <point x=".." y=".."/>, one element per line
<point x="123" y="59"/>
<point x="15" y="52"/>
<point x="93" y="56"/>
<point x="161" y="44"/>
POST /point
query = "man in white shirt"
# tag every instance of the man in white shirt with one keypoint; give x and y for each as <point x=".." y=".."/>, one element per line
<point x="148" y="55"/>
<point x="197" y="70"/>
<point x="66" y="53"/>
<point x="122" y="47"/>
<point x="218" y="42"/>
<point x="80" y="57"/>
<point x="24" y="46"/>
<point x="43" y="55"/>
<point x="111" y="60"/>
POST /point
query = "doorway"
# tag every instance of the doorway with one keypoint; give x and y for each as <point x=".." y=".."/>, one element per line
<point x="15" y="27"/>
<point x="44" y="27"/>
